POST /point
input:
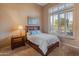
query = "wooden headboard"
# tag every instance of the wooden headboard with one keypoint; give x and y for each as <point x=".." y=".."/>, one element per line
<point x="28" y="28"/>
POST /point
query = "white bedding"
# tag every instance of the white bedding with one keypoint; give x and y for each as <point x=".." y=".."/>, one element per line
<point x="43" y="40"/>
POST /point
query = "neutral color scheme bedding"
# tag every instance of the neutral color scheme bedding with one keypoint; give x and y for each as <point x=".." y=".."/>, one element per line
<point x="43" y="40"/>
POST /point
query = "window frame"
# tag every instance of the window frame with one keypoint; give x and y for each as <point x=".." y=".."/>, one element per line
<point x="65" y="11"/>
<point x="53" y="22"/>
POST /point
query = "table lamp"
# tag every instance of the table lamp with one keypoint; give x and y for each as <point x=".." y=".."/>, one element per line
<point x="20" y="27"/>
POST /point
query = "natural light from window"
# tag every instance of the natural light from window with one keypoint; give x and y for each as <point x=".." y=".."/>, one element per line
<point x="61" y="19"/>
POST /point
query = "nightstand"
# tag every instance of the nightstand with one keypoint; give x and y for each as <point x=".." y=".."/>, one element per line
<point x="17" y="42"/>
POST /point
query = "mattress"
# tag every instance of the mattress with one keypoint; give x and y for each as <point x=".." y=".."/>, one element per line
<point x="43" y="40"/>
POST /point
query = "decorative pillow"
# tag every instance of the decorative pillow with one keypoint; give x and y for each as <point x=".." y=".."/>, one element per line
<point x="29" y="33"/>
<point x="33" y="32"/>
<point x="38" y="31"/>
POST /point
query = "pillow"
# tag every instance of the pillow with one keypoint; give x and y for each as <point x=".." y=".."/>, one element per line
<point x="38" y="31"/>
<point x="29" y="33"/>
<point x="33" y="32"/>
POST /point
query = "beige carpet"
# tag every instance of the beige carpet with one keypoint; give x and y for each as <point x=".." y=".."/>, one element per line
<point x="29" y="51"/>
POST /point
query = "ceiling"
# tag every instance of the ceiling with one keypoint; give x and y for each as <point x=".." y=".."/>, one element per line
<point x="42" y="4"/>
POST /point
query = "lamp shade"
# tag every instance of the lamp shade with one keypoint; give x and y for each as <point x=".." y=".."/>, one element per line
<point x="20" y="27"/>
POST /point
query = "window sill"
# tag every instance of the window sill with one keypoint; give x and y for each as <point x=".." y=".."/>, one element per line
<point x="66" y="36"/>
<point x="63" y="35"/>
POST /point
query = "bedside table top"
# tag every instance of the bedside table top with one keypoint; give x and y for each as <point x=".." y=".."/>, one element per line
<point x="16" y="37"/>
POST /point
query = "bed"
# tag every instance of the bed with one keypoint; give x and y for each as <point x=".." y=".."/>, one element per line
<point x="42" y="42"/>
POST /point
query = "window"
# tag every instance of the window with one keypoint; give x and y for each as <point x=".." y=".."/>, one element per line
<point x="62" y="22"/>
<point x="69" y="23"/>
<point x="62" y="19"/>
<point x="60" y="7"/>
<point x="51" y="18"/>
<point x="55" y="22"/>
